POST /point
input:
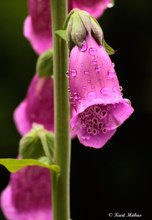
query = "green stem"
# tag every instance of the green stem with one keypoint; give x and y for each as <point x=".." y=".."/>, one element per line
<point x="60" y="188"/>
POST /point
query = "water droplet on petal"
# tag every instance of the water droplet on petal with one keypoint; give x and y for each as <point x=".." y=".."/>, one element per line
<point x="86" y="72"/>
<point x="121" y="88"/>
<point x="84" y="87"/>
<point x="67" y="74"/>
<point x="89" y="81"/>
<point x="94" y="62"/>
<point x="113" y="65"/>
<point x="73" y="73"/>
<point x="76" y="96"/>
<point x="92" y="95"/>
<point x="104" y="91"/>
<point x="114" y="89"/>
<point x="92" y="51"/>
<point x="85" y="138"/>
<point x="111" y="74"/>
<point x="127" y="101"/>
<point x="110" y="4"/>
<point x="84" y="47"/>
<point x="98" y="69"/>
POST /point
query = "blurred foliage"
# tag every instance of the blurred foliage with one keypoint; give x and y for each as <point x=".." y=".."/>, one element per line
<point x="119" y="174"/>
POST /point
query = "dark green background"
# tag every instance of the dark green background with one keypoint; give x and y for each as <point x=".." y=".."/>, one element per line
<point x="117" y="177"/>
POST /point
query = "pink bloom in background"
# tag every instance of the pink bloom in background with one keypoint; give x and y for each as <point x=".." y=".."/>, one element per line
<point x="94" y="7"/>
<point x="37" y="26"/>
<point x="37" y="107"/>
<point x="28" y="195"/>
<point x="95" y="95"/>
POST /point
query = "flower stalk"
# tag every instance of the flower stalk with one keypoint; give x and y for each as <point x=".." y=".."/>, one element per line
<point x="60" y="188"/>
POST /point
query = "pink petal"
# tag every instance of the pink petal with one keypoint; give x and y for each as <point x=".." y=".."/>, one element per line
<point x="37" y="26"/>
<point x="26" y="198"/>
<point x="94" y="7"/>
<point x="94" y="84"/>
<point x="37" y="107"/>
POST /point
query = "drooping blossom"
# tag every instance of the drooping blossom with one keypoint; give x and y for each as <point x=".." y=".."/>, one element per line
<point x="37" y="107"/>
<point x="95" y="95"/>
<point x="37" y="26"/>
<point x="28" y="195"/>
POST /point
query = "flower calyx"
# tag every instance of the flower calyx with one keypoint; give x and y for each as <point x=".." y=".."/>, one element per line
<point x="79" y="24"/>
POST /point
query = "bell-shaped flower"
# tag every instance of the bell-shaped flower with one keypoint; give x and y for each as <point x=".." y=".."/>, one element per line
<point x="37" y="107"/>
<point x="95" y="94"/>
<point x="37" y="26"/>
<point x="28" y="195"/>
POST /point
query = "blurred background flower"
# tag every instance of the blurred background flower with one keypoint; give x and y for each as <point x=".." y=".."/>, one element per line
<point x="117" y="177"/>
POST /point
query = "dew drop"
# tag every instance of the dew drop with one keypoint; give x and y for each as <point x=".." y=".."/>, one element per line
<point x="98" y="69"/>
<point x="84" y="47"/>
<point x="67" y="74"/>
<point x="127" y="101"/>
<point x="84" y="87"/>
<point x="85" y="138"/>
<point x="73" y="73"/>
<point x="92" y="51"/>
<point x="76" y="96"/>
<point x="86" y="72"/>
<point x="94" y="62"/>
<point x="121" y="88"/>
<point x="110" y="4"/>
<point x="89" y="81"/>
<point x="104" y="91"/>
<point x="113" y="65"/>
<point x="91" y="95"/>
<point x="111" y="74"/>
<point x="114" y="89"/>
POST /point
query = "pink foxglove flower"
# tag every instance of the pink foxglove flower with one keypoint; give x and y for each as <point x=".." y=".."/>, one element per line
<point x="28" y="195"/>
<point x="95" y="95"/>
<point x="94" y="7"/>
<point x="37" y="26"/>
<point x="37" y="107"/>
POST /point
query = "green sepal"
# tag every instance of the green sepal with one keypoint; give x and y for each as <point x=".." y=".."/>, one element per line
<point x="44" y="65"/>
<point x="14" y="165"/>
<point x="78" y="32"/>
<point x="37" y="143"/>
<point x="109" y="49"/>
<point x="96" y="30"/>
<point x="61" y="34"/>
<point x="79" y="24"/>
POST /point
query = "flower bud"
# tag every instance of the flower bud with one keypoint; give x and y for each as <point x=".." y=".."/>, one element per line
<point x="37" y="143"/>
<point x="79" y="25"/>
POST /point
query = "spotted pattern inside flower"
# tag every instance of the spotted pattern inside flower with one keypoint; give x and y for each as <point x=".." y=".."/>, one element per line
<point x="95" y="119"/>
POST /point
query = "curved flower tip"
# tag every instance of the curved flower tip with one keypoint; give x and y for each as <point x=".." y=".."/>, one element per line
<point x="37" y="26"/>
<point x="95" y="94"/>
<point x="26" y="198"/>
<point x="94" y="7"/>
<point x="37" y="107"/>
